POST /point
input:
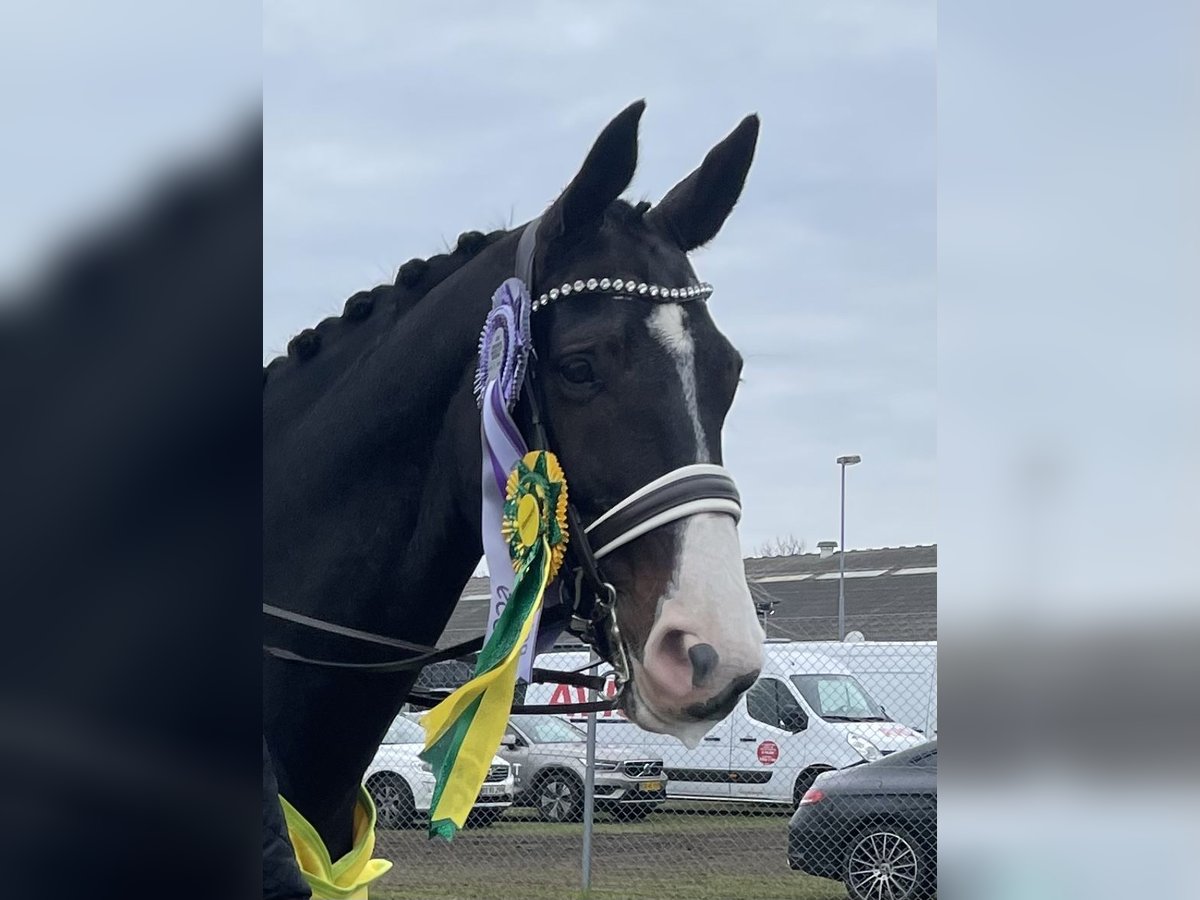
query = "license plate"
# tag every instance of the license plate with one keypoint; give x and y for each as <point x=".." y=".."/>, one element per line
<point x="652" y="785"/>
<point x="492" y="790"/>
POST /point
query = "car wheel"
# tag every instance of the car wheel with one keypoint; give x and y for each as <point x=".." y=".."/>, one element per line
<point x="559" y="797"/>
<point x="885" y="861"/>
<point x="394" y="806"/>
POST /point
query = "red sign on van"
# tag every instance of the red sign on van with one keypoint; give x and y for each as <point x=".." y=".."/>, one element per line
<point x="564" y="693"/>
<point x="768" y="752"/>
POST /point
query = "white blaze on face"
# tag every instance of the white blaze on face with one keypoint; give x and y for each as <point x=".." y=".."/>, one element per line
<point x="667" y="326"/>
<point x="707" y="600"/>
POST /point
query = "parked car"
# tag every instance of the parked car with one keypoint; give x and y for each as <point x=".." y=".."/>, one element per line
<point x="551" y="756"/>
<point x="401" y="783"/>
<point x="872" y="826"/>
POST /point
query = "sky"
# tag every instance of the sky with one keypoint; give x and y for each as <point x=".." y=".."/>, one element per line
<point x="107" y="98"/>
<point x="390" y="129"/>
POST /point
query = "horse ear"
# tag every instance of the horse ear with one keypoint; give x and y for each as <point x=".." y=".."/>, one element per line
<point x="696" y="208"/>
<point x="606" y="172"/>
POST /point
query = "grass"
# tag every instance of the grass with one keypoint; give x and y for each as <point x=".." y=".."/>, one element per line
<point x="525" y="823"/>
<point x="723" y="855"/>
<point x="712" y="887"/>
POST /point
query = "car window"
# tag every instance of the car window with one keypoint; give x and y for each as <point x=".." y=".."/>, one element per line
<point x="788" y="707"/>
<point x="838" y="697"/>
<point x="760" y="702"/>
<point x="549" y="729"/>
<point x="404" y="731"/>
<point x="771" y="702"/>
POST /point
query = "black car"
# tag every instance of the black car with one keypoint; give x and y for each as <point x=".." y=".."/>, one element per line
<point x="872" y="826"/>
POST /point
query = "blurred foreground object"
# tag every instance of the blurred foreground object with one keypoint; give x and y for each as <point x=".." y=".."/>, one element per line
<point x="1068" y="449"/>
<point x="129" y="541"/>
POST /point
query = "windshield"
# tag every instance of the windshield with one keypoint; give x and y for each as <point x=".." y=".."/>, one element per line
<point x="405" y="731"/>
<point x="549" y="729"/>
<point x="839" y="698"/>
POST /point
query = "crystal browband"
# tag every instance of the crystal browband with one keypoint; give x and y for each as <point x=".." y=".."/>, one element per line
<point x="626" y="286"/>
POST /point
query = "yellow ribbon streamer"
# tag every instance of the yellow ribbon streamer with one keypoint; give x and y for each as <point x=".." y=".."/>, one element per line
<point x="493" y="691"/>
<point x="463" y="732"/>
<point x="350" y="876"/>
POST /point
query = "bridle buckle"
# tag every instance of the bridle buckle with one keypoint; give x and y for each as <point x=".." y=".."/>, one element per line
<point x="606" y="618"/>
<point x="596" y="625"/>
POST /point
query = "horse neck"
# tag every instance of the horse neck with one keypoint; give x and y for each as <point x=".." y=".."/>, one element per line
<point x="371" y="519"/>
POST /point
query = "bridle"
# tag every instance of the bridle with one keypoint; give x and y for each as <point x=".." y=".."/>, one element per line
<point x="587" y="599"/>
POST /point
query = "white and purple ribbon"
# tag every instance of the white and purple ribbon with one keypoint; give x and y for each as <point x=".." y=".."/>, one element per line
<point x="503" y="352"/>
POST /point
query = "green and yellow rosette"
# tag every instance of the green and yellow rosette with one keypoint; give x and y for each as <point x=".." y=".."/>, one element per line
<point x="463" y="732"/>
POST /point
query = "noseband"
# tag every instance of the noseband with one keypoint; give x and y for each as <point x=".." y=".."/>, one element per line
<point x="586" y="594"/>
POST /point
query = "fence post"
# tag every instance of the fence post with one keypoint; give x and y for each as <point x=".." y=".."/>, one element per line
<point x="589" y="786"/>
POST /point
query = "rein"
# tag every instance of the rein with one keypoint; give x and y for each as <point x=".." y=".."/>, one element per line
<point x="587" y="596"/>
<point x="427" y="657"/>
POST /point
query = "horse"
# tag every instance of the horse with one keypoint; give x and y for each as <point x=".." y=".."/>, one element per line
<point x="372" y="459"/>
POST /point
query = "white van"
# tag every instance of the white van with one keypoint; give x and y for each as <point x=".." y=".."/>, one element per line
<point x="806" y="714"/>
<point x="900" y="675"/>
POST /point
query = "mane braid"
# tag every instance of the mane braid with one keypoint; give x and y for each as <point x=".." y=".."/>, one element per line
<point x="414" y="280"/>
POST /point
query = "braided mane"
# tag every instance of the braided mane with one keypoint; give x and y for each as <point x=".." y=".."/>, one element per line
<point x="414" y="280"/>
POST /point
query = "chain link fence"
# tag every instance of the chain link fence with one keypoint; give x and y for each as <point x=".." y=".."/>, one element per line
<point x="820" y="784"/>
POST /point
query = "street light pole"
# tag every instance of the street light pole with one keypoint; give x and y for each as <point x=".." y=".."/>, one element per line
<point x="843" y="461"/>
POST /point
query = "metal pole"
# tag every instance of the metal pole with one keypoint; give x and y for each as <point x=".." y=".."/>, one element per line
<point x="842" y="566"/>
<point x="589" y="787"/>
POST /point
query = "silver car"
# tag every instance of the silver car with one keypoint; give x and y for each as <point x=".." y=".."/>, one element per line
<point x="550" y="757"/>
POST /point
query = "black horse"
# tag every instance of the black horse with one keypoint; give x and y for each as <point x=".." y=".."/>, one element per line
<point x="371" y="465"/>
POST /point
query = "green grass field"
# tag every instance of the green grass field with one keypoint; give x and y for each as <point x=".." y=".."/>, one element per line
<point x="723" y="855"/>
<point x="721" y="887"/>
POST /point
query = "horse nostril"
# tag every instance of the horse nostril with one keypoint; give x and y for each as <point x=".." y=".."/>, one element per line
<point x="704" y="659"/>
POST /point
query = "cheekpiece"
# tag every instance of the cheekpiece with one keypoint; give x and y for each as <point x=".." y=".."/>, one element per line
<point x="505" y="343"/>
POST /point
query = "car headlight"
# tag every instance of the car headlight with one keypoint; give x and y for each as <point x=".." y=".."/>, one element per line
<point x="864" y="748"/>
<point x="426" y="767"/>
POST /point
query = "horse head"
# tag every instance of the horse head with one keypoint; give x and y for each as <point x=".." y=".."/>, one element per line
<point x="371" y="466"/>
<point x="637" y="383"/>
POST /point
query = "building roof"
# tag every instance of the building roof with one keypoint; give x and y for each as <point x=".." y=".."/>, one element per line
<point x="891" y="595"/>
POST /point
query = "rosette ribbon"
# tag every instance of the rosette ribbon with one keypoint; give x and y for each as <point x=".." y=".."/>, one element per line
<point x="463" y="732"/>
<point x="504" y="348"/>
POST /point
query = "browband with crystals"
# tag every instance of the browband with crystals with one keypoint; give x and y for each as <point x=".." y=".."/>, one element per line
<point x="627" y="287"/>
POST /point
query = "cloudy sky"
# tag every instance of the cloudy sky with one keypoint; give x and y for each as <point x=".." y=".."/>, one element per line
<point x="391" y="128"/>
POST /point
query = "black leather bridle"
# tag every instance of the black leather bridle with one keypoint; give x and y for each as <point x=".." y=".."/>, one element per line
<point x="585" y="593"/>
<point x="587" y="600"/>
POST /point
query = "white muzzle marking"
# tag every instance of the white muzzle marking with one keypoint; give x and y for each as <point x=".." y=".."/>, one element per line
<point x="706" y="602"/>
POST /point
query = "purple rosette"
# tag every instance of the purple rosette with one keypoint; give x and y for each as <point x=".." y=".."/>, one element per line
<point x="504" y="344"/>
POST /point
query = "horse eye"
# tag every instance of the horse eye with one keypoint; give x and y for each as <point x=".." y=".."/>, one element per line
<point x="577" y="371"/>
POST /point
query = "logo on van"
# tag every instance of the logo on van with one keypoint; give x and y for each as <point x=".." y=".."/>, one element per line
<point x="565" y="693"/>
<point x="768" y="752"/>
